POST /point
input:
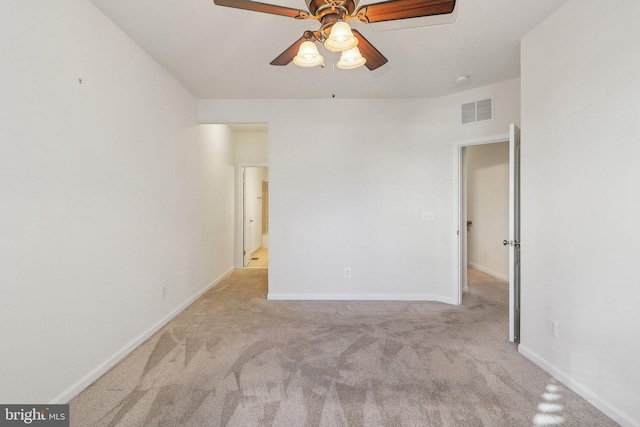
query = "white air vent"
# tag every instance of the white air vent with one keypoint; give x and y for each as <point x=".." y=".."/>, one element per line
<point x="484" y="110"/>
<point x="468" y="113"/>
<point x="477" y="111"/>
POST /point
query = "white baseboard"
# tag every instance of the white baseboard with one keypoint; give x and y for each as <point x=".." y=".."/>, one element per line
<point x="101" y="369"/>
<point x="602" y="405"/>
<point x="362" y="297"/>
<point x="489" y="271"/>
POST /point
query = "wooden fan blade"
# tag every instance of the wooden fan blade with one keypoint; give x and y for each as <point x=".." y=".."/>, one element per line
<point x="287" y="56"/>
<point x="402" y="9"/>
<point x="373" y="56"/>
<point x="263" y="7"/>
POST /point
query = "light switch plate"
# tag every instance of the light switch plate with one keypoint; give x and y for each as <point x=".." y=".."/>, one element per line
<point x="428" y="216"/>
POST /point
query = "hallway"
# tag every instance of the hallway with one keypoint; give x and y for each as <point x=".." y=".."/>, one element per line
<point x="259" y="259"/>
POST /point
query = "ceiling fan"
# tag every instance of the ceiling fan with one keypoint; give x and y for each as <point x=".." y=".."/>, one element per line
<point x="335" y="33"/>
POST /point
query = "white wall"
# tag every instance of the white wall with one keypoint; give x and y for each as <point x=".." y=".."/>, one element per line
<point x="215" y="201"/>
<point x="580" y="206"/>
<point x="348" y="184"/>
<point x="252" y="148"/>
<point x="488" y="207"/>
<point x="109" y="190"/>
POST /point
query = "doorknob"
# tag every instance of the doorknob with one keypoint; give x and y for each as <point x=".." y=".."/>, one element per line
<point x="511" y="243"/>
<point x="505" y="242"/>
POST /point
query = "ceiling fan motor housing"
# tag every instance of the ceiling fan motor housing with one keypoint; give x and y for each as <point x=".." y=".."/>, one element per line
<point x="328" y="12"/>
<point x="321" y="7"/>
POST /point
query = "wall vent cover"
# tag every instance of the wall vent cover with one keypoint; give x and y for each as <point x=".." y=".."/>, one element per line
<point x="468" y="113"/>
<point x="477" y="111"/>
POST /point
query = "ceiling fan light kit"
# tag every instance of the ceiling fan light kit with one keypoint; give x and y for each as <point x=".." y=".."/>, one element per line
<point x="308" y="55"/>
<point x="340" y="38"/>
<point x="351" y="59"/>
<point x="335" y="33"/>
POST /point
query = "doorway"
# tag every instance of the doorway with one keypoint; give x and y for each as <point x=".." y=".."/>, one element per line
<point x="255" y="217"/>
<point x="488" y="215"/>
<point x="487" y="173"/>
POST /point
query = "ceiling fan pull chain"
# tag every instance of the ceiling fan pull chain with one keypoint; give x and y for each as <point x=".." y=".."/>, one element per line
<point x="333" y="74"/>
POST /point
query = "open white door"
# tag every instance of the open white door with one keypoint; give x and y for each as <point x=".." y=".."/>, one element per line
<point x="246" y="226"/>
<point x="514" y="234"/>
<point x="463" y="256"/>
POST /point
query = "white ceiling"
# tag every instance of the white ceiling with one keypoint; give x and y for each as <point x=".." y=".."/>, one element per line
<point x="224" y="53"/>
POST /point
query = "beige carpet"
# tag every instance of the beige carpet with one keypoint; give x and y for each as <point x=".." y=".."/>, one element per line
<point x="236" y="359"/>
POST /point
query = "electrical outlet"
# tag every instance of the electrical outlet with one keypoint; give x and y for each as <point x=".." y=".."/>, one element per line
<point x="347" y="272"/>
<point x="553" y="327"/>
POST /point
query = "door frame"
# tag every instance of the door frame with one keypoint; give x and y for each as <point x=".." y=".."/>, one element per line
<point x="459" y="203"/>
<point x="239" y="222"/>
<point x="460" y="212"/>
